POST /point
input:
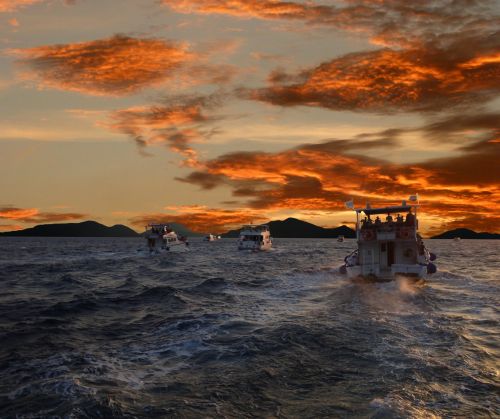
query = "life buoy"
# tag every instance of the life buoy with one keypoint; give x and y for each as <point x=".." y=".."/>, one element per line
<point x="367" y="234"/>
<point x="431" y="268"/>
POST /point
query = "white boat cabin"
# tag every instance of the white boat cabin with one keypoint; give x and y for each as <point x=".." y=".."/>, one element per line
<point x="255" y="237"/>
<point x="388" y="244"/>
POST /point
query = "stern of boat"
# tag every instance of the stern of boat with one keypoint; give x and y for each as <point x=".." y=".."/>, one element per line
<point x="416" y="270"/>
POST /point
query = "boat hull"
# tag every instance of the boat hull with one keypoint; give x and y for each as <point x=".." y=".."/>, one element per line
<point x="171" y="248"/>
<point x="254" y="246"/>
<point x="397" y="270"/>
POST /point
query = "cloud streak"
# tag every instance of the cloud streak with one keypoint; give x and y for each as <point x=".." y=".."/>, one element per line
<point x="34" y="215"/>
<point x="388" y="81"/>
<point x="389" y="23"/>
<point x="322" y="176"/>
<point x="176" y="123"/>
<point x="7" y="6"/>
<point x="201" y="218"/>
<point x="116" y="66"/>
<point x="438" y="54"/>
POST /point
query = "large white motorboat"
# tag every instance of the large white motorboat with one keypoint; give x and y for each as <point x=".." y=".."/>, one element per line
<point x="390" y="247"/>
<point x="255" y="237"/>
<point x="161" y="238"/>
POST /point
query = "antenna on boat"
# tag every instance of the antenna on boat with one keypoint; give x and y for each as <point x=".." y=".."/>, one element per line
<point x="414" y="199"/>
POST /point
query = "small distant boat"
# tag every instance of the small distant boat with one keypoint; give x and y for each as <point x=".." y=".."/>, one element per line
<point x="161" y="238"/>
<point x="255" y="237"/>
<point x="457" y="239"/>
<point x="210" y="238"/>
<point x="340" y="239"/>
<point x="389" y="248"/>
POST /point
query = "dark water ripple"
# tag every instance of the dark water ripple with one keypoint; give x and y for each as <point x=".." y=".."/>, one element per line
<point x="96" y="328"/>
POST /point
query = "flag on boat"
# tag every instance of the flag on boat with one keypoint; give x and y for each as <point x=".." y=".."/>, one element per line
<point x="350" y="204"/>
<point x="413" y="198"/>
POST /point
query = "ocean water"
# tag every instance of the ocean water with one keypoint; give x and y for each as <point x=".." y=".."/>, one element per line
<point x="96" y="328"/>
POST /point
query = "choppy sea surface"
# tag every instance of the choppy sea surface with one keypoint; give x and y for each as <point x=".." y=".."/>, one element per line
<point x="95" y="328"/>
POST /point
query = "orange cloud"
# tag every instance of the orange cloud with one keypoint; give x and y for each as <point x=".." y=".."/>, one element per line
<point x="202" y="219"/>
<point x="265" y="9"/>
<point x="17" y="213"/>
<point x="322" y="176"/>
<point x="388" y="23"/>
<point x="34" y="215"/>
<point x="117" y="66"/>
<point x="443" y="53"/>
<point x="176" y="123"/>
<point x="13" y="5"/>
<point x="10" y="227"/>
<point x="387" y="81"/>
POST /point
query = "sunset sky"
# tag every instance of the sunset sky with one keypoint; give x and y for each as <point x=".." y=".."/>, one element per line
<point x="215" y="113"/>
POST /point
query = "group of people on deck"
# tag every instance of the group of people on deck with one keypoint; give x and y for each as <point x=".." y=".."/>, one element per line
<point x="400" y="220"/>
<point x="160" y="229"/>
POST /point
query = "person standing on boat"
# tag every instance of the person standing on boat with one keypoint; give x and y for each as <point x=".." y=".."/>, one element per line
<point x="388" y="218"/>
<point x="410" y="218"/>
<point x="378" y="221"/>
<point x="399" y="219"/>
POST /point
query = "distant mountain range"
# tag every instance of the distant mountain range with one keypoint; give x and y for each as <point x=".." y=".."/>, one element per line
<point x="465" y="233"/>
<point x="182" y="230"/>
<point x="293" y="228"/>
<point x="84" y="229"/>
<point x="89" y="229"/>
<point x="289" y="228"/>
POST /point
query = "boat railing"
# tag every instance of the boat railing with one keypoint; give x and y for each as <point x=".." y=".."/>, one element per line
<point x="387" y="231"/>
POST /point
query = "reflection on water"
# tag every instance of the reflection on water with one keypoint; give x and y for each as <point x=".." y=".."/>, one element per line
<point x="94" y="327"/>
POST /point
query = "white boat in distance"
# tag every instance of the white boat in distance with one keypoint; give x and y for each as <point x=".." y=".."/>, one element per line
<point x="255" y="237"/>
<point x="211" y="238"/>
<point x="161" y="238"/>
<point x="391" y="247"/>
<point x="340" y="239"/>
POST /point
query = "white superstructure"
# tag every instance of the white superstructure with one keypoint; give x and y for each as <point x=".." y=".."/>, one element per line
<point x="161" y="238"/>
<point x="389" y="244"/>
<point x="255" y="237"/>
